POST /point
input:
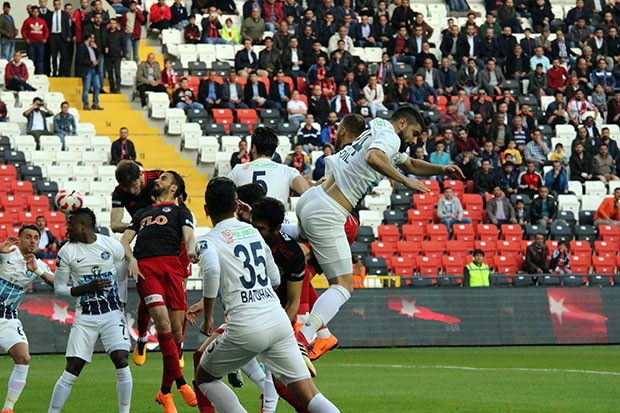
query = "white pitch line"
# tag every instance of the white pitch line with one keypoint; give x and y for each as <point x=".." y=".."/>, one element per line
<point x="400" y="366"/>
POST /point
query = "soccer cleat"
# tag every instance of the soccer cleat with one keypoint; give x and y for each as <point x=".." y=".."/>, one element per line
<point x="166" y="401"/>
<point x="321" y="346"/>
<point x="303" y="349"/>
<point x="235" y="379"/>
<point x="7" y="411"/>
<point x="139" y="353"/>
<point x="297" y="327"/>
<point x="188" y="395"/>
<point x="182" y="361"/>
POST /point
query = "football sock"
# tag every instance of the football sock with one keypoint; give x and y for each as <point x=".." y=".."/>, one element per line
<point x="172" y="370"/>
<point x="204" y="405"/>
<point x="255" y="373"/>
<point x="124" y="384"/>
<point x="222" y="397"/>
<point x="17" y="381"/>
<point x="270" y="395"/>
<point x="144" y="319"/>
<point x="290" y="398"/>
<point x="323" y="332"/>
<point x="62" y="390"/>
<point x="325" y="308"/>
<point x="320" y="404"/>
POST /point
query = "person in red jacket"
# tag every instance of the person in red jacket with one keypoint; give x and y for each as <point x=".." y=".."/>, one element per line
<point x="160" y="15"/>
<point x="78" y="18"/>
<point x="16" y="74"/>
<point x="274" y="15"/>
<point x="131" y="25"/>
<point x="35" y="33"/>
<point x="557" y="76"/>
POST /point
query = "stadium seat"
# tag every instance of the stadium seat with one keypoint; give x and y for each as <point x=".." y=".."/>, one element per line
<point x="459" y="248"/>
<point x="457" y="186"/>
<point x="360" y="249"/>
<point x="597" y="280"/>
<point x="365" y="234"/>
<point x="453" y="265"/>
<point x="472" y="202"/>
<point x="415" y="231"/>
<point x="509" y="248"/>
<point x="383" y="249"/>
<point x="609" y="233"/>
<point x="15" y="158"/>
<point x="580" y="264"/>
<point x="370" y="218"/>
<point x="586" y="217"/>
<point x="215" y="130"/>
<point x="30" y="173"/>
<point x="487" y="232"/>
<point x="520" y="197"/>
<point x="596" y="188"/>
<point x="604" y="265"/>
<point x="240" y="129"/>
<point x="428" y="266"/>
<point x="394" y="217"/>
<point x="376" y="266"/>
<point x="388" y="233"/>
<point x="425" y="201"/>
<point x="433" y="248"/>
<point x="581" y="248"/>
<point x="505" y="265"/>
<point x="512" y="232"/>
<point x="12" y="204"/>
<point x="21" y="188"/>
<point x="464" y="232"/>
<point x="437" y="232"/>
<point x="400" y="202"/>
<point x="531" y="231"/>
<point x="606" y="248"/>
<point x="409" y="249"/>
<point x="567" y="216"/>
<point x="247" y="116"/>
<point x="524" y="244"/>
<point x="432" y="184"/>
<point x="403" y="266"/>
<point x="207" y="148"/>
<point x="585" y="233"/>
<point x="420" y="215"/>
<point x="175" y="118"/>
<point x="488" y="247"/>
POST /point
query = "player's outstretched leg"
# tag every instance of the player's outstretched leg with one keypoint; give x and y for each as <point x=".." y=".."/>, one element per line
<point x="17" y="380"/>
<point x="286" y="394"/>
<point x="221" y="396"/>
<point x="325" y="341"/>
<point x="63" y="386"/>
<point x="264" y="383"/>
<point x="124" y="381"/>
<point x="307" y="393"/>
<point x="143" y="320"/>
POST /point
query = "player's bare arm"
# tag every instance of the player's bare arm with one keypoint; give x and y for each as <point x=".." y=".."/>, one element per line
<point x="293" y="298"/>
<point x="378" y="160"/>
<point x="193" y="311"/>
<point x="95" y="286"/>
<point x="423" y="168"/>
<point x="301" y="184"/>
<point x="32" y="265"/>
<point x="132" y="262"/>
<point x="207" y="324"/>
<point x="116" y="218"/>
<point x="190" y="243"/>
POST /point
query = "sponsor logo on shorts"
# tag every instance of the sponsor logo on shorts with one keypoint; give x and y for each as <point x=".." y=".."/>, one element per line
<point x="154" y="298"/>
<point x="105" y="255"/>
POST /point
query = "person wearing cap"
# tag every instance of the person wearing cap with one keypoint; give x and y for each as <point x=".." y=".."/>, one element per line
<point x="8" y="32"/>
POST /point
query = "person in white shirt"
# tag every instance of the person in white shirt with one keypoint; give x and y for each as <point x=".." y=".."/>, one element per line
<point x="95" y="267"/>
<point x="341" y="35"/>
<point x="276" y="179"/>
<point x="18" y="270"/>
<point x="237" y="265"/>
<point x="297" y="109"/>
<point x="373" y="92"/>
<point x="352" y="174"/>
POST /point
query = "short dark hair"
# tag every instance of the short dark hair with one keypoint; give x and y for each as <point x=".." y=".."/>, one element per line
<point x="221" y="196"/>
<point x="354" y="123"/>
<point x="251" y="193"/>
<point x="127" y="172"/>
<point x="478" y="251"/>
<point x="265" y="141"/>
<point x="269" y="210"/>
<point x="410" y="114"/>
<point x="28" y="226"/>
<point x="85" y="214"/>
<point x="180" y="183"/>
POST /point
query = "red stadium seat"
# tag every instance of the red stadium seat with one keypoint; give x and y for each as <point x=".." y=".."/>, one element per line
<point x="289" y="80"/>
<point x="437" y="232"/>
<point x="580" y="265"/>
<point x="247" y="117"/>
<point x="21" y="188"/>
<point x="8" y="173"/>
<point x="388" y="233"/>
<point x="505" y="265"/>
<point x="302" y="85"/>
<point x="472" y="202"/>
<point x="420" y="215"/>
<point x="57" y="223"/>
<point x="25" y="217"/>
<point x="425" y="201"/>
<point x="487" y="232"/>
<point x="433" y="248"/>
<point x="194" y="84"/>
<point x="432" y="184"/>
<point x="441" y="103"/>
<point x="525" y="243"/>
<point x="415" y="231"/>
<point x="51" y="262"/>
<point x="459" y="248"/>
<point x="223" y="117"/>
<point x="38" y="203"/>
<point x="304" y="99"/>
<point x="12" y="204"/>
<point x="403" y="266"/>
<point x="266" y="81"/>
<point x="475" y="215"/>
<point x="453" y="266"/>
<point x="605" y="248"/>
<point x="489" y="247"/>
<point x="583" y="248"/>
<point x="552" y="245"/>
<point x="463" y="232"/>
<point x="457" y="187"/>
<point x="507" y="248"/>
<point x="383" y="250"/>
<point x="604" y="265"/>
<point x="408" y="249"/>
<point x="512" y="232"/>
<point x="429" y="266"/>
<point x="609" y="233"/>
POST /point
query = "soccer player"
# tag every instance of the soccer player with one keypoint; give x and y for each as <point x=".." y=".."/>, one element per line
<point x="355" y="171"/>
<point x="237" y="264"/>
<point x="95" y="265"/>
<point x="276" y="179"/>
<point x="18" y="270"/>
<point x="154" y="263"/>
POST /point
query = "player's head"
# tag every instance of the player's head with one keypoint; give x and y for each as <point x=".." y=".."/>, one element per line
<point x="81" y="225"/>
<point x="267" y="217"/>
<point x="249" y="194"/>
<point x="408" y="124"/>
<point x="351" y="126"/>
<point x="179" y="194"/>
<point x="169" y="187"/>
<point x="128" y="176"/>
<point x="220" y="199"/>
<point x="29" y="236"/>
<point x="264" y="142"/>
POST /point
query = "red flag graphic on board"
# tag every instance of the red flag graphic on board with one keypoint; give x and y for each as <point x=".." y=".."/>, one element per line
<point x="55" y="310"/>
<point x="577" y="315"/>
<point x="407" y="306"/>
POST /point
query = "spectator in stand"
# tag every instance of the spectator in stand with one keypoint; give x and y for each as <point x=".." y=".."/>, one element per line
<point x="560" y="261"/>
<point x="440" y="156"/>
<point x="506" y="42"/>
<point x="211" y="28"/>
<point x="559" y="154"/>
<point x="16" y="74"/>
<point x="86" y="67"/>
<point x="246" y="62"/>
<point x="342" y="104"/>
<point x="450" y="210"/>
<point x="530" y="180"/>
<point x="210" y="92"/>
<point x="96" y="8"/>
<point x="385" y="71"/>
<point x="543" y="208"/>
<point x="273" y="14"/>
<point x="114" y="52"/>
<point x="539" y="58"/>
<point x="468" y="45"/>
<point x="48" y="243"/>
<point x="241" y="156"/>
<point x="491" y="155"/>
<point x="608" y="213"/>
<point x="296" y="109"/>
<point x="35" y="33"/>
<point x="148" y="78"/>
<point x="465" y="141"/>
<point x="556" y="110"/>
<point x="536" y="256"/>
<point x="448" y="45"/>
<point x="477" y="273"/>
<point x="98" y="29"/>
<point x="183" y="97"/>
<point x="179" y="16"/>
<point x="292" y="59"/>
<point x="517" y="65"/>
<point x="528" y="44"/>
<point x="603" y="165"/>
<point x="477" y="130"/>
<point x="329" y="131"/>
<point x="556" y="180"/>
<point x="8" y="32"/>
<point x="78" y="19"/>
<point x="484" y="179"/>
<point x="542" y="16"/>
<point x="521" y="213"/>
<point x="169" y="78"/>
<point x="507" y="179"/>
<point x="480" y="104"/>
<point x="452" y="119"/>
<point x="3" y="112"/>
<point x="299" y="160"/>
<point x="309" y="136"/>
<point x="400" y="48"/>
<point x="468" y="162"/>
<point x="462" y="103"/>
<point x="255" y="94"/>
<point x="612" y="146"/>
<point x="131" y="25"/>
<point x="268" y="60"/>
<point x="123" y="148"/>
<point x="507" y="17"/>
<point x="577" y="108"/>
<point x="373" y="92"/>
<point x="232" y="93"/>
<point x="230" y="33"/>
<point x="281" y="38"/>
<point x="431" y="76"/>
<point x="499" y="210"/>
<point x="64" y="123"/>
<point x="538" y="85"/>
<point x="602" y="76"/>
<point x="501" y="133"/>
<point x="160" y="16"/>
<point x="318" y="105"/>
<point x="515" y="154"/>
<point x="420" y="94"/>
<point x="191" y="32"/>
<point x="581" y="164"/>
<point x="536" y="150"/>
<point x="253" y="27"/>
<point x="557" y="76"/>
<point x="319" y="167"/>
<point x="35" y="117"/>
<point x="59" y="25"/>
<point x="599" y="99"/>
<point x="613" y="109"/>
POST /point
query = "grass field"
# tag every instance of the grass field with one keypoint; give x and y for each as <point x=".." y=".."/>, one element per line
<point x="498" y="379"/>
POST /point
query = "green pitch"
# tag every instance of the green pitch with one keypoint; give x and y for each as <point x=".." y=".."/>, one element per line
<point x="502" y="379"/>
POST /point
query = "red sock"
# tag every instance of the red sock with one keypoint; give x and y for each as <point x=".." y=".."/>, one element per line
<point x="144" y="319"/>
<point x="313" y="296"/>
<point x="172" y="370"/>
<point x="304" y="301"/>
<point x="204" y="405"/>
<point x="286" y="394"/>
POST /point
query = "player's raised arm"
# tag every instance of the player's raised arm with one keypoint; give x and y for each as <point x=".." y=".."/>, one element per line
<point x="423" y="168"/>
<point x="132" y="263"/>
<point x="116" y="220"/>
<point x="378" y="160"/>
<point x="39" y="268"/>
<point x="9" y="245"/>
<point x="190" y="243"/>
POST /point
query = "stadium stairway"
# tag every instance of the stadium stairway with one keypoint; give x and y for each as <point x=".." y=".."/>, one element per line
<point x="151" y="150"/>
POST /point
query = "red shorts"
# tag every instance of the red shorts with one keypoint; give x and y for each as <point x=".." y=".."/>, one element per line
<point x="162" y="283"/>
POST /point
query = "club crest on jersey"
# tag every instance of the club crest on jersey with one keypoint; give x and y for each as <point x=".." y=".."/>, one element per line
<point x="96" y="271"/>
<point x="105" y="255"/>
<point x="246" y="166"/>
<point x="228" y="236"/>
<point x="166" y="209"/>
<point x="202" y="246"/>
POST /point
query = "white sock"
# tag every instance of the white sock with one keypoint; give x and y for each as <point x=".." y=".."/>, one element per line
<point x="255" y="373"/>
<point x="62" y="390"/>
<point x="222" y="397"/>
<point x="324" y="309"/>
<point x="320" y="404"/>
<point x="124" y="384"/>
<point x="323" y="332"/>
<point x="17" y="381"/>
<point x="270" y="395"/>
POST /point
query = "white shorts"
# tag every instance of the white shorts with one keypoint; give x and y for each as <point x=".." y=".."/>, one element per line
<point x="274" y="344"/>
<point x="111" y="327"/>
<point x="11" y="333"/>
<point x="321" y="221"/>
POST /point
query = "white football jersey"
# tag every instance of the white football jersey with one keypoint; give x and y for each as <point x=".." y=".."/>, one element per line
<point x="236" y="261"/>
<point x="15" y="279"/>
<point x="275" y="178"/>
<point x="82" y="263"/>
<point x="354" y="177"/>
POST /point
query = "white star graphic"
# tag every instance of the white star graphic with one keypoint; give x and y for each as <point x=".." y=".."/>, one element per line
<point x="409" y="308"/>
<point x="557" y="308"/>
<point x="61" y="314"/>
